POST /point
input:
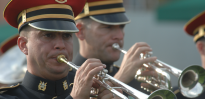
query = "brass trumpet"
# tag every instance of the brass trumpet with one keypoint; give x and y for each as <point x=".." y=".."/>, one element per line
<point x="191" y="80"/>
<point x="158" y="94"/>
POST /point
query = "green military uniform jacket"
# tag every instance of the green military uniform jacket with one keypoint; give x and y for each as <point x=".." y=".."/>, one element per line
<point x="34" y="87"/>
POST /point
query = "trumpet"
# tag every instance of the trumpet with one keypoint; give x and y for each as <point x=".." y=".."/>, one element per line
<point x="191" y="80"/>
<point x="158" y="94"/>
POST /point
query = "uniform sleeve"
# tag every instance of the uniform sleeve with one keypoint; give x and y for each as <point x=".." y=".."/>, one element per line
<point x="68" y="97"/>
<point x="4" y="96"/>
<point x="178" y="94"/>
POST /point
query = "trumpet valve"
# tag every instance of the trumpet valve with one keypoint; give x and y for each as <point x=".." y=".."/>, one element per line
<point x="103" y="73"/>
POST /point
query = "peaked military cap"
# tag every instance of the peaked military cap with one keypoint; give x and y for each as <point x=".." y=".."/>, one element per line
<point x="196" y="27"/>
<point x="47" y="15"/>
<point x="110" y="12"/>
<point x="6" y="45"/>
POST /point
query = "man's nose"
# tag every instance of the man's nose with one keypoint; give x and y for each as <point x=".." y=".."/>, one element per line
<point x="119" y="34"/>
<point x="59" y="43"/>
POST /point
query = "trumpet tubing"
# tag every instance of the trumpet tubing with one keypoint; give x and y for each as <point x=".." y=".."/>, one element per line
<point x="158" y="94"/>
<point x="191" y="80"/>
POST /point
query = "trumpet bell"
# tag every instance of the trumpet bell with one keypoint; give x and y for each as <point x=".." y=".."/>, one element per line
<point x="162" y="94"/>
<point x="192" y="81"/>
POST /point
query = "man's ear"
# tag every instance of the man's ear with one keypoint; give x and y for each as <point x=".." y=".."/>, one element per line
<point x="80" y="35"/>
<point x="200" y="45"/>
<point x="22" y="41"/>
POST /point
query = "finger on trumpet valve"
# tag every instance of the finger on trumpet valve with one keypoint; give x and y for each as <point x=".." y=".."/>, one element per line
<point x="94" y="93"/>
<point x="150" y="53"/>
<point x="93" y="96"/>
<point x="141" y="56"/>
<point x="145" y="88"/>
<point x="105" y="72"/>
<point x="141" y="78"/>
<point x="144" y="68"/>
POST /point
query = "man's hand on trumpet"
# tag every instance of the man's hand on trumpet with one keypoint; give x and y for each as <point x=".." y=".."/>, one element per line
<point x="147" y="73"/>
<point x="83" y="81"/>
<point x="153" y="78"/>
<point x="132" y="62"/>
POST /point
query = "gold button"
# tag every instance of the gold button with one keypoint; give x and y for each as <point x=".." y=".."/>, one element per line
<point x="54" y="97"/>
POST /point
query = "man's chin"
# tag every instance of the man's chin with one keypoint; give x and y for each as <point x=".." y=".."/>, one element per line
<point x="116" y="56"/>
<point x="59" y="69"/>
<point x="113" y="59"/>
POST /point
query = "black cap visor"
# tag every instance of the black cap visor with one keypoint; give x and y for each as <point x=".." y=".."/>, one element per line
<point x="111" y="19"/>
<point x="55" y="26"/>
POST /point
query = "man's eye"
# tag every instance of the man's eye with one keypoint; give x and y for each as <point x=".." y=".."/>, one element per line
<point x="67" y="35"/>
<point x="122" y="26"/>
<point x="48" y="35"/>
<point x="109" y="27"/>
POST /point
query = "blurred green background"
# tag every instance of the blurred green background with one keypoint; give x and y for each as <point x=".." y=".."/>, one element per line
<point x="7" y="31"/>
<point x="180" y="9"/>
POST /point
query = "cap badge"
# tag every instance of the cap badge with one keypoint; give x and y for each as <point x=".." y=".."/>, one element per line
<point x="86" y="9"/>
<point x="61" y="1"/>
<point x="42" y="86"/>
<point x="65" y="85"/>
<point x="24" y="16"/>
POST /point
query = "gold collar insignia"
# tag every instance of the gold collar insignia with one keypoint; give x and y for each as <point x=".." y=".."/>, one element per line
<point x="65" y="85"/>
<point x="42" y="86"/>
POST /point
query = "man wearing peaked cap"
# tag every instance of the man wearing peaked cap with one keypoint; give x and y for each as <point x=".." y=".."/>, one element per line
<point x="45" y="28"/>
<point x="101" y="24"/>
<point x="196" y="28"/>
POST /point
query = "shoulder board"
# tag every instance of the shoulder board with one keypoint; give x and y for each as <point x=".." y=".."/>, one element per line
<point x="71" y="85"/>
<point x="70" y="68"/>
<point x="116" y="66"/>
<point x="4" y="89"/>
<point x="176" y="91"/>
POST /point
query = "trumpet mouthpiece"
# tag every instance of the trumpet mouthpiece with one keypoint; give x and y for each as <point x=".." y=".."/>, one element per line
<point x="115" y="45"/>
<point x="60" y="57"/>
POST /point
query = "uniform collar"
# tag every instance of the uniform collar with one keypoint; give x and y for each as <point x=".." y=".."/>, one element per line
<point x="53" y="88"/>
<point x="79" y="60"/>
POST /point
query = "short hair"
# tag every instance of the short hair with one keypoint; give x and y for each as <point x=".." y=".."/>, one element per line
<point x="202" y="39"/>
<point x="25" y="31"/>
<point x="85" y="20"/>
